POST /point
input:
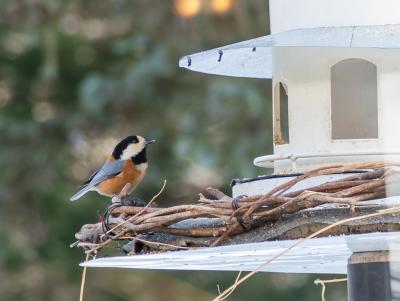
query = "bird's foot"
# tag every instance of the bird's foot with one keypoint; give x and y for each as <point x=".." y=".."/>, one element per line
<point x="235" y="201"/>
<point x="235" y="207"/>
<point x="106" y="218"/>
<point x="116" y="199"/>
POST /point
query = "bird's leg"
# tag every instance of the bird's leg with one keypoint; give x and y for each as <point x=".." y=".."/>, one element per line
<point x="116" y="198"/>
<point x="119" y="197"/>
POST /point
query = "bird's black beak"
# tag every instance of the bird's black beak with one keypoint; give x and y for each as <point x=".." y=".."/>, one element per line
<point x="147" y="142"/>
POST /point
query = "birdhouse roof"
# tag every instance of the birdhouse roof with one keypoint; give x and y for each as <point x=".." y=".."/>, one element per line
<point x="253" y="58"/>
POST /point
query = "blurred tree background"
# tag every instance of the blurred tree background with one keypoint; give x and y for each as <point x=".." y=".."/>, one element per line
<point x="75" y="77"/>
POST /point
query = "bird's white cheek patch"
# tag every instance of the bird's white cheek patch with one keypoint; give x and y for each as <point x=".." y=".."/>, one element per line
<point x="132" y="150"/>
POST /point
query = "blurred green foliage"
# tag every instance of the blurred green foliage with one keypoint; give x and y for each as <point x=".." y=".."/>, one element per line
<point x="75" y="76"/>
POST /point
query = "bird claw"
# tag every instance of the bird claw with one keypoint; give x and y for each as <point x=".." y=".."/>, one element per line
<point x="106" y="217"/>
<point x="235" y="201"/>
<point x="235" y="206"/>
<point x="116" y="199"/>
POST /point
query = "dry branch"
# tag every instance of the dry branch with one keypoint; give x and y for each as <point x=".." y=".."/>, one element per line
<point x="219" y="220"/>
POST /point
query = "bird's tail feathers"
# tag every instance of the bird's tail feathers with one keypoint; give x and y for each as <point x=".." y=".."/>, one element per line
<point x="80" y="193"/>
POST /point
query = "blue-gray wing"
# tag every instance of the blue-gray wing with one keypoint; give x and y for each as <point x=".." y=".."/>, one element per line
<point x="90" y="178"/>
<point x="108" y="170"/>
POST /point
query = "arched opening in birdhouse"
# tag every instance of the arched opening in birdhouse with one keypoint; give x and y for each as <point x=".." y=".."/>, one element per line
<point x="281" y="114"/>
<point x="354" y="100"/>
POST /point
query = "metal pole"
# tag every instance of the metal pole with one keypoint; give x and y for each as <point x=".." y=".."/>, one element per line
<point x="368" y="277"/>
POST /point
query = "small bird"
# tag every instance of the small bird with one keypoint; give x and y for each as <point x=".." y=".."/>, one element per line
<point x="126" y="164"/>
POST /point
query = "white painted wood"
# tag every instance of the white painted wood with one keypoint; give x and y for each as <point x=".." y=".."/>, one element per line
<point x="241" y="60"/>
<point x="319" y="255"/>
<point x="238" y="60"/>
<point x="308" y="38"/>
<point x="296" y="160"/>
<point x="293" y="14"/>
<point x="306" y="72"/>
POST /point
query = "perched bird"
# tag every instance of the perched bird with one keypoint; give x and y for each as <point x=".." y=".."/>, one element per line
<point x="126" y="164"/>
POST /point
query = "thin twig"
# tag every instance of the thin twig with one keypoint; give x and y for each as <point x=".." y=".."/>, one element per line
<point x="236" y="281"/>
<point x="322" y="283"/>
<point x="83" y="279"/>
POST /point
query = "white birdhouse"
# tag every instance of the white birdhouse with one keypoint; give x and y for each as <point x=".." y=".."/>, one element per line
<point x="335" y="69"/>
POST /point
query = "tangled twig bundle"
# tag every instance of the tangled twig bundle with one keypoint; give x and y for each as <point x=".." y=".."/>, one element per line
<point x="218" y="218"/>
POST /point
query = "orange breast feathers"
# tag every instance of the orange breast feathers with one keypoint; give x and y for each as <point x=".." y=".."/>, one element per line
<point x="131" y="173"/>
